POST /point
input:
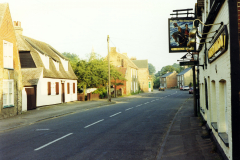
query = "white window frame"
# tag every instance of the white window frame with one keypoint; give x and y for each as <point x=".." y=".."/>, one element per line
<point x="53" y="88"/>
<point x="56" y="65"/>
<point x="7" y="54"/>
<point x="7" y="85"/>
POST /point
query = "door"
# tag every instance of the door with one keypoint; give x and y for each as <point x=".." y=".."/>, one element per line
<point x="31" y="98"/>
<point x="63" y="93"/>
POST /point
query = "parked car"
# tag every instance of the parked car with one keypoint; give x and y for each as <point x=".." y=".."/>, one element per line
<point x="190" y="90"/>
<point x="161" y="88"/>
<point x="181" y="87"/>
<point x="185" y="88"/>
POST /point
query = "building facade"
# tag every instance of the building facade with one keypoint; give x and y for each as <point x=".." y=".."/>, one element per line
<point x="10" y="69"/>
<point x="131" y="75"/>
<point x="145" y="80"/>
<point x="185" y="78"/>
<point x="218" y="79"/>
<point x="48" y="77"/>
<point x="169" y="80"/>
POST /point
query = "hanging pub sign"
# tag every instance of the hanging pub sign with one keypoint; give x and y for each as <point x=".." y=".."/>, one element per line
<point x="179" y="29"/>
<point x="219" y="44"/>
<point x="188" y="63"/>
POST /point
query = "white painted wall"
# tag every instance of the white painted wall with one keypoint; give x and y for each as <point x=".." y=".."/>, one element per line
<point x="42" y="91"/>
<point x="24" y="100"/>
<point x="216" y="112"/>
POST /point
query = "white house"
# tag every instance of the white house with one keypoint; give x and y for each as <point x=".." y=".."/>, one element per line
<point x="47" y="75"/>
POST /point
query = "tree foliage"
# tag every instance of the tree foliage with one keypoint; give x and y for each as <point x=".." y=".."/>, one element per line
<point x="151" y="69"/>
<point x="92" y="73"/>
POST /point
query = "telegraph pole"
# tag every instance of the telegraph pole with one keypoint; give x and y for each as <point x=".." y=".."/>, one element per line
<point x="109" y="78"/>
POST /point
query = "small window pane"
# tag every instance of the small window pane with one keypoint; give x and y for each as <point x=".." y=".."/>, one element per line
<point x="4" y="99"/>
<point x="10" y="98"/>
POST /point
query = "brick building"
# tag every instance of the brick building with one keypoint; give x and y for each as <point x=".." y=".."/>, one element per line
<point x="169" y="80"/>
<point x="131" y="75"/>
<point x="219" y="79"/>
<point x="145" y="80"/>
<point x="185" y="77"/>
<point x="10" y="69"/>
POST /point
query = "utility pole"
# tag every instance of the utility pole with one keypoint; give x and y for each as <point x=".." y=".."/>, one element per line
<point x="109" y="80"/>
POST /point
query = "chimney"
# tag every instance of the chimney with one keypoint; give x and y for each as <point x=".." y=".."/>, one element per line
<point x="133" y="58"/>
<point x="113" y="49"/>
<point x="17" y="27"/>
<point x="125" y="54"/>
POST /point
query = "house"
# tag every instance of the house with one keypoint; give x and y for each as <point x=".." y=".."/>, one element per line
<point x="185" y="78"/>
<point x="169" y="80"/>
<point x="10" y="69"/>
<point x="219" y="73"/>
<point x="145" y="80"/>
<point x="131" y="75"/>
<point x="48" y="77"/>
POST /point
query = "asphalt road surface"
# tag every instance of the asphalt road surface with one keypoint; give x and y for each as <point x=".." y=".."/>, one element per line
<point x="133" y="130"/>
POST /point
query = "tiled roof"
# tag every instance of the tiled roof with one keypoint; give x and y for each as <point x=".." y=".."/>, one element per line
<point x="31" y="76"/>
<point x="37" y="47"/>
<point x="130" y="63"/>
<point x="184" y="71"/>
<point x="141" y="63"/>
<point x="167" y="74"/>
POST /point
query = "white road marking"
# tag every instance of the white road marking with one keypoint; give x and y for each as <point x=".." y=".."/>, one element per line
<point x="152" y="100"/>
<point x="115" y="114"/>
<point x="42" y="129"/>
<point x="139" y="105"/>
<point x="94" y="123"/>
<point x="157" y="99"/>
<point x="128" y="109"/>
<point x="146" y="103"/>
<point x="52" y="142"/>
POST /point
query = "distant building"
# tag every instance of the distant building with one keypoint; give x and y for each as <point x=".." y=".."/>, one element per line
<point x="145" y="80"/>
<point x="122" y="61"/>
<point x="169" y="80"/>
<point x="185" y="77"/>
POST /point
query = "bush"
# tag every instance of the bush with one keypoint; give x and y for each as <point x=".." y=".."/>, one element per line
<point x="102" y="92"/>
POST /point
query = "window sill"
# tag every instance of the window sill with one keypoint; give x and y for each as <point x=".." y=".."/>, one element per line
<point x="214" y="125"/>
<point x="224" y="138"/>
<point x="9" y="68"/>
<point x="8" y="106"/>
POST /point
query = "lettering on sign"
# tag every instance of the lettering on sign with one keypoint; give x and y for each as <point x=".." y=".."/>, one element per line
<point x="219" y="45"/>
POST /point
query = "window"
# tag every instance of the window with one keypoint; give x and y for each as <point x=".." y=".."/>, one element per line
<point x="8" y="93"/>
<point x="65" y="64"/>
<point x="7" y="54"/>
<point x="73" y="87"/>
<point x="49" y="88"/>
<point x="57" y="88"/>
<point x="45" y="60"/>
<point x="56" y="65"/>
<point x="68" y="88"/>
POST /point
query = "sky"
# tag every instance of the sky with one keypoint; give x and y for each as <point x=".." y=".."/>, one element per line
<point x="136" y="27"/>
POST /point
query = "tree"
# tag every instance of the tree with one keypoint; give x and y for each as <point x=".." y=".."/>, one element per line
<point x="151" y="69"/>
<point x="166" y="69"/>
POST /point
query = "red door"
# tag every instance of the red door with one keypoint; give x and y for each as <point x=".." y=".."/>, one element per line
<point x="31" y="98"/>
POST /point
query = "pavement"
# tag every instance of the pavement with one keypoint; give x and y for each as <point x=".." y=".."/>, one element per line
<point x="183" y="140"/>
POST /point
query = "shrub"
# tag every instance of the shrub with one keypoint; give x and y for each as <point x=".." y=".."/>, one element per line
<point x="102" y="92"/>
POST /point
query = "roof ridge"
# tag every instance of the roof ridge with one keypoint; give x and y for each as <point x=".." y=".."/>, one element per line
<point x="37" y="48"/>
<point x="58" y="53"/>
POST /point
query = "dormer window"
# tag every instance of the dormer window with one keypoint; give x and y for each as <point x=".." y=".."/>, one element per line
<point x="65" y="64"/>
<point x="7" y="55"/>
<point x="45" y="60"/>
<point x="56" y="65"/>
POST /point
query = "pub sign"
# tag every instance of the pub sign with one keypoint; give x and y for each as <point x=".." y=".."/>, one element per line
<point x="179" y="29"/>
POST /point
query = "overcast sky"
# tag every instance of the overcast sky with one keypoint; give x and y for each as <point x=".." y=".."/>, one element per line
<point x="136" y="27"/>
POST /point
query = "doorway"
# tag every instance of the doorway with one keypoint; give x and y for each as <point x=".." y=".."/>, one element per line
<point x="63" y="93"/>
<point x="31" y="98"/>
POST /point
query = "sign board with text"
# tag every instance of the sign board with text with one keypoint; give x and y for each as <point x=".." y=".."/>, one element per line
<point x="189" y="63"/>
<point x="179" y="29"/>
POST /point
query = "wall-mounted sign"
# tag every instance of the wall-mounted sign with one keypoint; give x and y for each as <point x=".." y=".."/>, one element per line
<point x="179" y="29"/>
<point x="219" y="44"/>
<point x="189" y="63"/>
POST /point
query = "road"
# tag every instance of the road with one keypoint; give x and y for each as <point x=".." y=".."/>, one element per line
<point x="133" y="129"/>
